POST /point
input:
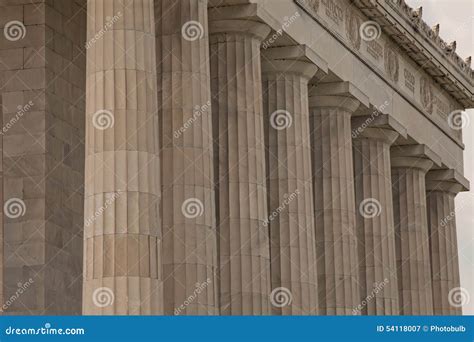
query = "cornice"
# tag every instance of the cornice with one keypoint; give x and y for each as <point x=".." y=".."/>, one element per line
<point x="415" y="18"/>
<point x="422" y="43"/>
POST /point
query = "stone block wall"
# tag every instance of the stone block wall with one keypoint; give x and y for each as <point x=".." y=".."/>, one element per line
<point x="42" y="69"/>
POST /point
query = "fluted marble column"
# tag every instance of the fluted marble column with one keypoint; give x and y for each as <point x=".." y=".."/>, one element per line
<point x="289" y="179"/>
<point x="443" y="246"/>
<point x="333" y="183"/>
<point x="411" y="235"/>
<point x="375" y="225"/>
<point x="236" y="84"/>
<point x="122" y="253"/>
<point x="189" y="236"/>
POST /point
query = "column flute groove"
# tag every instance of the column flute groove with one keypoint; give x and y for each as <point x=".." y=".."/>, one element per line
<point x="236" y="84"/>
<point x="375" y="223"/>
<point x="411" y="235"/>
<point x="333" y="183"/>
<point x="444" y="246"/>
<point x="189" y="237"/>
<point x="122" y="234"/>
<point x="289" y="181"/>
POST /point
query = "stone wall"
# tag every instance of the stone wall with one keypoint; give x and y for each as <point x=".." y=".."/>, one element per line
<point x="43" y="85"/>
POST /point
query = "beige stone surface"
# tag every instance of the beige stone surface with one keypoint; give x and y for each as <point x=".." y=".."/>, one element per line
<point x="236" y="84"/>
<point x="289" y="181"/>
<point x="42" y="87"/>
<point x="189" y="243"/>
<point x="374" y="221"/>
<point x="184" y="153"/>
<point x="411" y="235"/>
<point x="122" y="245"/>
<point x="443" y="246"/>
<point x="334" y="203"/>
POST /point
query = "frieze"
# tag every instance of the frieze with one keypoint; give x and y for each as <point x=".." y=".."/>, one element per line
<point x="383" y="55"/>
<point x="311" y="4"/>
<point x="442" y="107"/>
<point x="409" y="80"/>
<point x="375" y="49"/>
<point x="334" y="11"/>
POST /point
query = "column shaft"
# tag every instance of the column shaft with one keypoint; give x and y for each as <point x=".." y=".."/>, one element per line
<point x="375" y="225"/>
<point x="289" y="180"/>
<point x="244" y="272"/>
<point x="189" y="237"/>
<point x="333" y="182"/>
<point x="122" y="253"/>
<point x="443" y="249"/>
<point x="411" y="235"/>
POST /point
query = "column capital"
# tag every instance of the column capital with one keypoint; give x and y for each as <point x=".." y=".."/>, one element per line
<point x="282" y="66"/>
<point x="416" y="151"/>
<point x="447" y="181"/>
<point x="346" y="89"/>
<point x="377" y="120"/>
<point x="244" y="27"/>
<point x="423" y="164"/>
<point x="300" y="52"/>
<point x="348" y="104"/>
<point x="444" y="186"/>
<point x="385" y="135"/>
